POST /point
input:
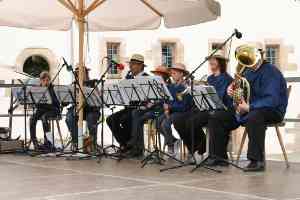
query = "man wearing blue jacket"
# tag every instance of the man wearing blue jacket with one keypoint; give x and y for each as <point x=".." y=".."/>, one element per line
<point x="268" y="103"/>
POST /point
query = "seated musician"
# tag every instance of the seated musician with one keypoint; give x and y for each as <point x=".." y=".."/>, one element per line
<point x="175" y="108"/>
<point x="267" y="105"/>
<point x="121" y="121"/>
<point x="140" y="116"/>
<point x="192" y="123"/>
<point x="90" y="114"/>
<point x="43" y="112"/>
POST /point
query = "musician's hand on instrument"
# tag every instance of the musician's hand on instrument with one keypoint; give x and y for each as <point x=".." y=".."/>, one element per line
<point x="230" y="90"/>
<point x="243" y="107"/>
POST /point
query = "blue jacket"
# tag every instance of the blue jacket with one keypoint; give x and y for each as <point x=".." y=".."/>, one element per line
<point x="221" y="82"/>
<point x="179" y="105"/>
<point x="268" y="89"/>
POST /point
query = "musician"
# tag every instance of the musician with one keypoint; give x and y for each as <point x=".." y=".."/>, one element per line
<point x="267" y="105"/>
<point x="43" y="112"/>
<point x="196" y="120"/>
<point x="120" y="123"/>
<point x="140" y="116"/>
<point x="90" y="114"/>
<point x="174" y="109"/>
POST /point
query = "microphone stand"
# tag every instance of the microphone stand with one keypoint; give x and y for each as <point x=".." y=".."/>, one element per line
<point x="101" y="150"/>
<point x="191" y="77"/>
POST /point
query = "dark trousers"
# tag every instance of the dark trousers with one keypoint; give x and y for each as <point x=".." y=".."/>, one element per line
<point x="189" y="127"/>
<point x="91" y="118"/>
<point x="43" y="115"/>
<point x="164" y="126"/>
<point x="139" y="117"/>
<point x="120" y="125"/>
<point x="222" y="122"/>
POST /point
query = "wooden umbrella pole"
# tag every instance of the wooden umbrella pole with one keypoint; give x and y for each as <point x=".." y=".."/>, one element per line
<point x="81" y="27"/>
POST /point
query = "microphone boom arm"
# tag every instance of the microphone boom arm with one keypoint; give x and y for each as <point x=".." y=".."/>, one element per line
<point x="235" y="33"/>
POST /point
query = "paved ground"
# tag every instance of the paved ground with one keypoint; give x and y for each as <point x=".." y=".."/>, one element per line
<point x="27" y="178"/>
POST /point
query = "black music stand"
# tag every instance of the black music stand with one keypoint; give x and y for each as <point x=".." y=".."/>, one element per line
<point x="23" y="97"/>
<point x="206" y="99"/>
<point x="153" y="89"/>
<point x="112" y="96"/>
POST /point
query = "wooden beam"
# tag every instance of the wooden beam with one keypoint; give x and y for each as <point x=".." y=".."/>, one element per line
<point x="93" y="6"/>
<point x="68" y="6"/>
<point x="81" y="29"/>
<point x="72" y="5"/>
<point x="152" y="8"/>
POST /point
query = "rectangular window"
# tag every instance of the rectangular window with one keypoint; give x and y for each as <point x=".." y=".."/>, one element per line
<point x="113" y="52"/>
<point x="272" y="54"/>
<point x="168" y="54"/>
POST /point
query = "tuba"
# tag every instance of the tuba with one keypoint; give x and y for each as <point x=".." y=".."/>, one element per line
<point x="247" y="57"/>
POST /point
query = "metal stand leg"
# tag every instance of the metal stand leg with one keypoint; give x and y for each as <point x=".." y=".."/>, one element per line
<point x="155" y="156"/>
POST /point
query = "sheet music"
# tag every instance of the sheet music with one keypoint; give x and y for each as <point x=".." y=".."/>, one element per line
<point x="114" y="96"/>
<point x="132" y="90"/>
<point x="40" y="95"/>
<point x="93" y="99"/>
<point x="18" y="93"/>
<point x="210" y="94"/>
<point x="64" y="94"/>
<point x="154" y="88"/>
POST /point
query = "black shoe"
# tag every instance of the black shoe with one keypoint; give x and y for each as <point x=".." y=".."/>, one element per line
<point x="255" y="166"/>
<point x="134" y="154"/>
<point x="213" y="162"/>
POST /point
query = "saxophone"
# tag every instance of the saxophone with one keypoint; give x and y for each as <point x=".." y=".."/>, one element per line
<point x="248" y="57"/>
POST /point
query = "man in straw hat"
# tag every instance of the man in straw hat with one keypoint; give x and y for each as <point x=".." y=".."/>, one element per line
<point x="176" y="107"/>
<point x="139" y="116"/>
<point x="193" y="122"/>
<point x="120" y="123"/>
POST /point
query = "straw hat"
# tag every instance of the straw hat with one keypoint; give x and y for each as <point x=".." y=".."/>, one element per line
<point x="137" y="58"/>
<point x="180" y="67"/>
<point x="161" y="70"/>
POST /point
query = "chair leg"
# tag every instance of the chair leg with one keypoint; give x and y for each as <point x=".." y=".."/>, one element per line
<point x="149" y="134"/>
<point x="282" y="146"/>
<point x="241" y="146"/>
<point x="53" y="138"/>
<point x="59" y="133"/>
<point x="181" y="150"/>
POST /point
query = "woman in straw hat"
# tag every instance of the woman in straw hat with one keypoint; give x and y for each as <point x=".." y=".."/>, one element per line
<point x="193" y="122"/>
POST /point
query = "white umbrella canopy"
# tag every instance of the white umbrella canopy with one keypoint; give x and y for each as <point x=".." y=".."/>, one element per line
<point x="107" y="15"/>
<point x="104" y="15"/>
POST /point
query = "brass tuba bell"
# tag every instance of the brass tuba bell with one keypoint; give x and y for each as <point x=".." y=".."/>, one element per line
<point x="248" y="57"/>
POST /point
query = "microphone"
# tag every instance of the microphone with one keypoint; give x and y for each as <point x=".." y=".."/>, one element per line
<point x="238" y="34"/>
<point x="69" y="67"/>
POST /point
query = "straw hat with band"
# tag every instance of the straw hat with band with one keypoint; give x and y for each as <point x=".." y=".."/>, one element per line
<point x="161" y="70"/>
<point x="180" y="67"/>
<point x="137" y="59"/>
